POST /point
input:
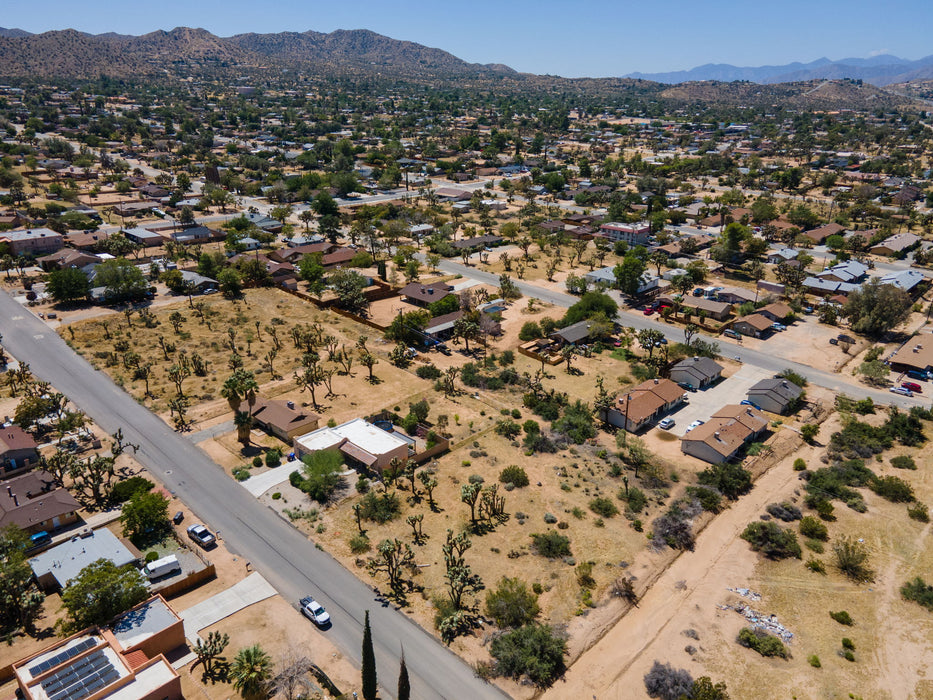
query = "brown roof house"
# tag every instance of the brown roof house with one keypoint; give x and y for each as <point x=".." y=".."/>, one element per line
<point x="283" y="419"/>
<point x="423" y="294"/>
<point x="915" y="354"/>
<point x="18" y="451"/>
<point x="34" y="502"/>
<point x="644" y="404"/>
<point x="776" y="311"/>
<point x="896" y="244"/>
<point x="125" y="661"/>
<point x="754" y="325"/>
<point x="724" y="434"/>
<point x="818" y="235"/>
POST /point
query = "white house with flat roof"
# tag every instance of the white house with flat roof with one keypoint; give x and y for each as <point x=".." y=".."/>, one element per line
<point x="358" y="440"/>
<point x="58" y="565"/>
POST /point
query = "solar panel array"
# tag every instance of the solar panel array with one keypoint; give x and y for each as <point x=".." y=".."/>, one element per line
<point x="62" y="657"/>
<point x="81" y="679"/>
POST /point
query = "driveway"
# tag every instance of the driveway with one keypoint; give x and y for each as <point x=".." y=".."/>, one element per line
<point x="252" y="589"/>
<point x="729" y="391"/>
<point x="259" y="484"/>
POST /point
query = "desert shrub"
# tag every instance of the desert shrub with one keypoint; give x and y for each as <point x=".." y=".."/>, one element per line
<point x="772" y="540"/>
<point x="842" y="617"/>
<point x="784" y="511"/>
<point x="576" y="424"/>
<point x="816" y="566"/>
<point x="257" y="461"/>
<point x="814" y="546"/>
<point x="903" y="462"/>
<point x="277" y="496"/>
<point x="813" y="528"/>
<point x="814" y="661"/>
<point x="533" y="650"/>
<point x="511" y="604"/>
<point x="635" y="499"/>
<point x="848" y="655"/>
<point x="604" y="507"/>
<point x="530" y="331"/>
<point x="919" y="592"/>
<point x="848" y="644"/>
<point x="320" y="475"/>
<point x="762" y="642"/>
<point x="428" y="372"/>
<point x="124" y="490"/>
<point x="838" y="482"/>
<point x="731" y="480"/>
<point x="919" y="512"/>
<point x="892" y="488"/>
<point x="508" y="428"/>
<point x="852" y="560"/>
<point x="585" y="577"/>
<point x="515" y="475"/>
<point x="552" y="545"/>
<point x="808" y="432"/>
<point x="710" y="499"/>
<point x="799" y="464"/>
<point x="550" y="518"/>
<point x="151" y="556"/>
<point x="380" y="508"/>
<point x="274" y="457"/>
<point x="674" y="528"/>
<point x="359" y="544"/>
<point x="242" y="474"/>
<point x="705" y="689"/>
<point x="668" y="683"/>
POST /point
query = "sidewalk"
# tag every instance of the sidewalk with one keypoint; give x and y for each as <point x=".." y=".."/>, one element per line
<point x="253" y="589"/>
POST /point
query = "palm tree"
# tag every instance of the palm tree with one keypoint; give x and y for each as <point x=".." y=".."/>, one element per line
<point x="243" y="420"/>
<point x="251" y="671"/>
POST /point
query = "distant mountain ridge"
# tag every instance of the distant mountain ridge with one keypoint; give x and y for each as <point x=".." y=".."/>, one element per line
<point x="70" y="53"/>
<point x="877" y="70"/>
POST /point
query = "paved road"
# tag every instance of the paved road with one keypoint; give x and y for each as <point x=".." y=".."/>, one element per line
<point x="284" y="556"/>
<point x="758" y="358"/>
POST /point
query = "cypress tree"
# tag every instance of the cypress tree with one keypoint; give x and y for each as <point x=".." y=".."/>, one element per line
<point x="369" y="663"/>
<point x="404" y="687"/>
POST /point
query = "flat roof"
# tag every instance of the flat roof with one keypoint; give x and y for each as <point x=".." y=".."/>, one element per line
<point x="362" y="434"/>
<point x="66" y="560"/>
<point x="144" y="621"/>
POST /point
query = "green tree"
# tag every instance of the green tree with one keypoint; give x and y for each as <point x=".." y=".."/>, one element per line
<point x="68" y="285"/>
<point x="20" y="601"/>
<point x="145" y="517"/>
<point x="368" y="668"/>
<point x="628" y="274"/>
<point x="230" y="282"/>
<point x="312" y="272"/>
<point x="876" y="308"/>
<point x="101" y="591"/>
<point x="251" y="672"/>
<point x="321" y="474"/>
<point x="534" y="650"/>
<point x="121" y="279"/>
<point x="348" y="286"/>
<point x="511" y="604"/>
<point x="240" y="386"/>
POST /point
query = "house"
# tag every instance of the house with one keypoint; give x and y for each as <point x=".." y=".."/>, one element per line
<point x="906" y="280"/>
<point x="423" y="294"/>
<point x="782" y="255"/>
<point x="487" y="241"/>
<point x="819" y="235"/>
<point x="644" y="404"/>
<point x="360" y="442"/>
<point x="718" y="310"/>
<point x="633" y="234"/>
<point x="777" y="311"/>
<point x="144" y="237"/>
<point x="199" y="283"/>
<point x="194" y="234"/>
<point x="66" y="257"/>
<point x="776" y="394"/>
<point x="283" y="419"/>
<point x="736" y="295"/>
<point x="337" y="257"/>
<point x="451" y="194"/>
<point x="264" y="222"/>
<point x="824" y="287"/>
<point x="418" y="231"/>
<point x="696" y="372"/>
<point x="603" y="276"/>
<point x="915" y="354"/>
<point x="35" y="241"/>
<point x="754" y="325"/>
<point x="726" y="432"/>
<point x="294" y="254"/>
<point x="442" y="327"/>
<point x="573" y="334"/>
<point x="18" y="451"/>
<point x="123" y="662"/>
<point x="896" y="244"/>
<point x="56" y="566"/>
<point x="34" y="502"/>
<point x="850" y="271"/>
<point x="85" y="240"/>
<point x="249" y="243"/>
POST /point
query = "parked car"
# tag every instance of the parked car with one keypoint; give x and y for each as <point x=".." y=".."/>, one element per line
<point x="162" y="567"/>
<point x="648" y="311"/>
<point x="729" y="333"/>
<point x="201" y="535"/>
<point x="666" y="423"/>
<point x="901" y="390"/>
<point x="694" y="424"/>
<point x="917" y="374"/>
<point x="314" y="611"/>
<point x="178" y="517"/>
<point x="912" y="386"/>
<point x="778" y="327"/>
<point x="699" y="291"/>
<point x="746" y="402"/>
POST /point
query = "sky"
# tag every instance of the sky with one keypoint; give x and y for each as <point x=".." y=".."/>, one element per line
<point x="598" y="38"/>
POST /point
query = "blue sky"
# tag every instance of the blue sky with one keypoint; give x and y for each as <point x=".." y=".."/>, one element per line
<point x="583" y="38"/>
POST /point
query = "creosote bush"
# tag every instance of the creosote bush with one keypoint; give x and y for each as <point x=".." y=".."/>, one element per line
<point x="772" y="540"/>
<point x="762" y="642"/>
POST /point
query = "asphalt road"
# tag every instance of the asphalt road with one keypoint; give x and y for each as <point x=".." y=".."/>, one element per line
<point x="288" y="560"/>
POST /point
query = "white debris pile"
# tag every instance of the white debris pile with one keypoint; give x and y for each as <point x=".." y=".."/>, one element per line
<point x="759" y="620"/>
<point x="746" y="593"/>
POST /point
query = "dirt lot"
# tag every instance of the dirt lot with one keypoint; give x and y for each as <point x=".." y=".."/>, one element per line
<point x="894" y="652"/>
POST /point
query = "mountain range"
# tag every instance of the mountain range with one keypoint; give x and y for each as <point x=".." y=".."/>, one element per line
<point x="70" y="53"/>
<point x="877" y="70"/>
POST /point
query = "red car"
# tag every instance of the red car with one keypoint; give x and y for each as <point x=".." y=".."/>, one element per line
<point x="649" y="311"/>
<point x="912" y="386"/>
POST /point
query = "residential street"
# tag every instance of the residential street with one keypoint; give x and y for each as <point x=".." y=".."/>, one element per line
<point x="284" y="556"/>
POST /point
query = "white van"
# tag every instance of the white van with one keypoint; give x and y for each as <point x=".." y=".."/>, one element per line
<point x="162" y="567"/>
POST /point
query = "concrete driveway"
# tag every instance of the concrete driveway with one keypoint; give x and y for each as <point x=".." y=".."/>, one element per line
<point x="730" y="390"/>
<point x="252" y="589"/>
<point x="259" y="484"/>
